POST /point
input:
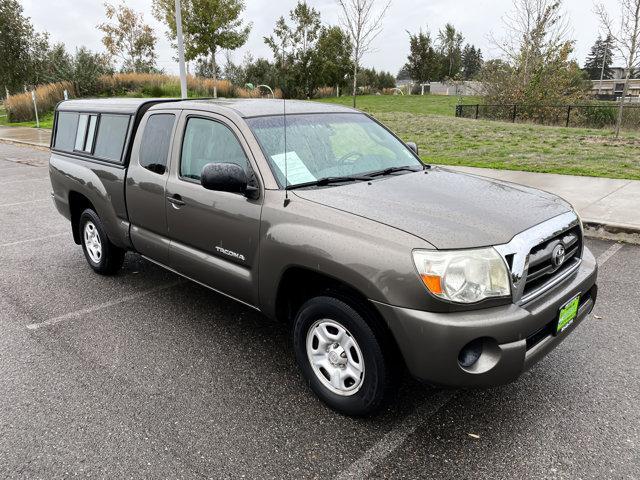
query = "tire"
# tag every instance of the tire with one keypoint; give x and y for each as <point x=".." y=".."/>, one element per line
<point x="102" y="255"/>
<point x="316" y="331"/>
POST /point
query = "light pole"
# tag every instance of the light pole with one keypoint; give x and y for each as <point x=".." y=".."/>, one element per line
<point x="604" y="61"/>
<point x="183" y="70"/>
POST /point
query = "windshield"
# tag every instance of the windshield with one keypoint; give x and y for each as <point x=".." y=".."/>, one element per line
<point x="328" y="145"/>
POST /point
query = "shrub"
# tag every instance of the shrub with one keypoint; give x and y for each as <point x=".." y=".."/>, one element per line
<point x="325" y="92"/>
<point x="20" y="107"/>
<point x="597" y="117"/>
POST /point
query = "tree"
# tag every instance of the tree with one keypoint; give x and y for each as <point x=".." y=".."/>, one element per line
<point x="331" y="61"/>
<point x="208" y="26"/>
<point x="363" y="24"/>
<point x="471" y="62"/>
<point x="536" y="30"/>
<point x="537" y="71"/>
<point x="260" y="72"/>
<point x="127" y="37"/>
<point x="293" y="48"/>
<point x="450" y="47"/>
<point x="16" y="32"/>
<point x="230" y="71"/>
<point x="422" y="64"/>
<point x="599" y="60"/>
<point x="403" y="73"/>
<point x="626" y="42"/>
<point x="49" y="64"/>
<point x="206" y="68"/>
<point x="86" y="69"/>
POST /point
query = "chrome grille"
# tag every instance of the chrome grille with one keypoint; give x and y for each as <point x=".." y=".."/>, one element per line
<point x="529" y="256"/>
<point x="545" y="266"/>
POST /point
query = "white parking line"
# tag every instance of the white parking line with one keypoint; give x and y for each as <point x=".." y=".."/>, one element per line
<point x="393" y="439"/>
<point x="25" y="180"/>
<point x="28" y="240"/>
<point x="23" y="203"/>
<point x="95" y="308"/>
<point x="610" y="252"/>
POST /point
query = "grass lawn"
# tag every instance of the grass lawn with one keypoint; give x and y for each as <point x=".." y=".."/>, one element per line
<point x="417" y="104"/>
<point x="443" y="139"/>
<point x="46" y="120"/>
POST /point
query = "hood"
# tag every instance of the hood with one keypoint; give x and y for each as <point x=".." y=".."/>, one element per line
<point x="447" y="209"/>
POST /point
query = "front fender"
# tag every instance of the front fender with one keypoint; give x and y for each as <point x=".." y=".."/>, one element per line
<point x="373" y="259"/>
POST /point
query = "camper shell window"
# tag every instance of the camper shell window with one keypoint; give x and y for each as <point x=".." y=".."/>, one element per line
<point x="100" y="135"/>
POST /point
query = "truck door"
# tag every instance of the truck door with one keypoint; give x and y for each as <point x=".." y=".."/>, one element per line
<point x="214" y="235"/>
<point x="146" y="182"/>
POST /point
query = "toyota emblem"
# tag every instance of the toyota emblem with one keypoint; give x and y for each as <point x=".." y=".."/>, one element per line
<point x="557" y="256"/>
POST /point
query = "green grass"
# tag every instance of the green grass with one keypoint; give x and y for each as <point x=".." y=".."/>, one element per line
<point x="443" y="139"/>
<point x="421" y="105"/>
<point x="46" y="120"/>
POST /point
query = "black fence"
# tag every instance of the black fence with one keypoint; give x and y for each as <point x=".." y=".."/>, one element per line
<point x="584" y="116"/>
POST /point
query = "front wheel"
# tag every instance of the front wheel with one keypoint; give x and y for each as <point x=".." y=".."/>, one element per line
<point x="102" y="255"/>
<point x="341" y="357"/>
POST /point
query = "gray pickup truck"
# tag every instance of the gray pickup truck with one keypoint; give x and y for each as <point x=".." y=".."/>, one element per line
<point x="320" y="217"/>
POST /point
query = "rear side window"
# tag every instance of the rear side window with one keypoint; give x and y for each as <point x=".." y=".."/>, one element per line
<point x="112" y="134"/>
<point x="66" y="130"/>
<point x="86" y="133"/>
<point x="207" y="141"/>
<point x="154" y="147"/>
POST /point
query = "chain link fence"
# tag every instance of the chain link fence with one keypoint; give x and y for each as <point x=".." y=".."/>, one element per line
<point x="584" y="116"/>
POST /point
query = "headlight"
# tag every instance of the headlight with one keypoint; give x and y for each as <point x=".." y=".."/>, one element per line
<point x="463" y="276"/>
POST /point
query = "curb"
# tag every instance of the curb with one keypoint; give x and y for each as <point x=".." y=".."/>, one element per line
<point x="25" y="142"/>
<point x="621" y="232"/>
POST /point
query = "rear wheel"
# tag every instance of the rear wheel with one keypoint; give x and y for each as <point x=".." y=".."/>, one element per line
<point x="341" y="357"/>
<point x="102" y="255"/>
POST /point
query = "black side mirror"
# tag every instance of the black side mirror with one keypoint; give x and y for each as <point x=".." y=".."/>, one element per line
<point x="413" y="146"/>
<point x="224" y="177"/>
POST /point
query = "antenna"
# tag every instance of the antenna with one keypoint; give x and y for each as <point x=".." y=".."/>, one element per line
<point x="286" y="172"/>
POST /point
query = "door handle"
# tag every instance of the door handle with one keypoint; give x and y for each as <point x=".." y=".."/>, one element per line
<point x="176" y="200"/>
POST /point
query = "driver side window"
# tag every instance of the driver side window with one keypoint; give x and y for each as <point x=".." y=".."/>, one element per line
<point x="208" y="141"/>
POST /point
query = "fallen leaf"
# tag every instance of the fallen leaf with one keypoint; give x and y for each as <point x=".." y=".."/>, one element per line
<point x="473" y="435"/>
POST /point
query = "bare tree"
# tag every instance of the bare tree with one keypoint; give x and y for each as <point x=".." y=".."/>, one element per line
<point x="363" y="24"/>
<point x="535" y="30"/>
<point x="625" y="40"/>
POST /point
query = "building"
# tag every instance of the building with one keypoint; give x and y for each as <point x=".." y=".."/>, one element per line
<point x="613" y="88"/>
<point x="457" y="88"/>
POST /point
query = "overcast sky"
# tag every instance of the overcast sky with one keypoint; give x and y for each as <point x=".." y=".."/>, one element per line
<point x="74" y="23"/>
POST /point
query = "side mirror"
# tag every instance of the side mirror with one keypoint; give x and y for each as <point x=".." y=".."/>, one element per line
<point x="413" y="146"/>
<point x="224" y="177"/>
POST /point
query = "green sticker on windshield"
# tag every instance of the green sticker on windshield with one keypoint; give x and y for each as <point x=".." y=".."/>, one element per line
<point x="567" y="314"/>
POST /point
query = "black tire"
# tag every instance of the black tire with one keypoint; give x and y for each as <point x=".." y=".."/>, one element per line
<point x="111" y="257"/>
<point x="379" y="379"/>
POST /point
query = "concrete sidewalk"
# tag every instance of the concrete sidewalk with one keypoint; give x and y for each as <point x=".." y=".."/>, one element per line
<point x="601" y="202"/>
<point x="611" y="204"/>
<point x="39" y="137"/>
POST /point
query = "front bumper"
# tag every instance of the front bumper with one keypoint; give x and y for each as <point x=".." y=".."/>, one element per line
<point x="513" y="337"/>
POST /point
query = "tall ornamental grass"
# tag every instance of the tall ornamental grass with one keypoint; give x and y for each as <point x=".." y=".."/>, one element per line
<point x="159" y="85"/>
<point x="20" y="106"/>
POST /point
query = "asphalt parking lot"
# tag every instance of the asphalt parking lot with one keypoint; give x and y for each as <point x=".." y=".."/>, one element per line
<point x="144" y="375"/>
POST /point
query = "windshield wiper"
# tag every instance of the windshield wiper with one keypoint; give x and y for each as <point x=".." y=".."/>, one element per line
<point x="321" y="182"/>
<point x="390" y="170"/>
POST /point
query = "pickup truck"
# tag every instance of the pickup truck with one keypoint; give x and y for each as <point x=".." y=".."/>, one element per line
<point x="319" y="216"/>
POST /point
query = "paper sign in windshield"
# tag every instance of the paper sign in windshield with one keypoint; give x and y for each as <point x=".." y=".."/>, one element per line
<point x="297" y="171"/>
